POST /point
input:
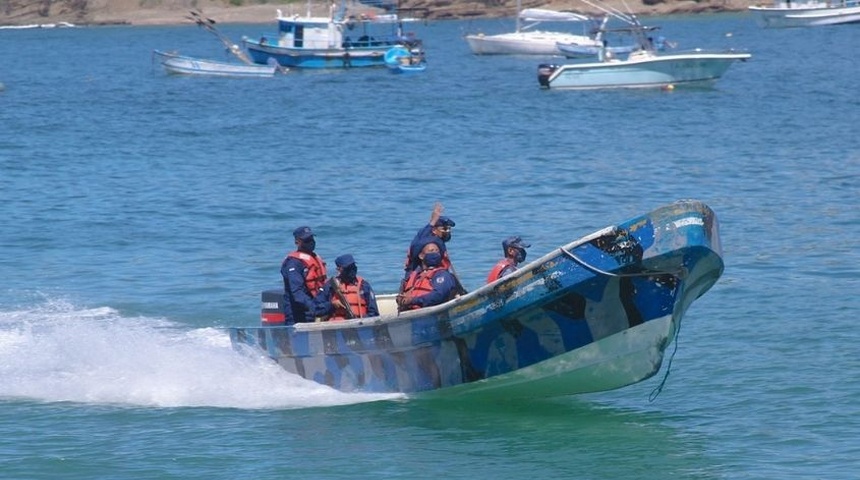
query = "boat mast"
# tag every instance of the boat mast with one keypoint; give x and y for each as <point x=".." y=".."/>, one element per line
<point x="519" y="9"/>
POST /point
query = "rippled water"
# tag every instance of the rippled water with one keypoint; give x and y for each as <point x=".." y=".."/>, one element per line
<point x="143" y="213"/>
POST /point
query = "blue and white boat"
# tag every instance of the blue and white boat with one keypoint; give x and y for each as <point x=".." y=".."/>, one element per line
<point x="646" y="67"/>
<point x="806" y="13"/>
<point x="343" y="39"/>
<point x="400" y="59"/>
<point x="595" y="314"/>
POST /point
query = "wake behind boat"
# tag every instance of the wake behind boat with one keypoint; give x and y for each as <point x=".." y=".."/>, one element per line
<point x="595" y="314"/>
<point x="646" y="67"/>
<point x="784" y="14"/>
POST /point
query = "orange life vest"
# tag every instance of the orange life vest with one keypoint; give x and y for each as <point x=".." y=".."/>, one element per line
<point x="420" y="283"/>
<point x="496" y="272"/>
<point x="352" y="293"/>
<point x="315" y="265"/>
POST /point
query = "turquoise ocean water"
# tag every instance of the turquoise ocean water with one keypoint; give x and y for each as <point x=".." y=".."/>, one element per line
<point x="142" y="214"/>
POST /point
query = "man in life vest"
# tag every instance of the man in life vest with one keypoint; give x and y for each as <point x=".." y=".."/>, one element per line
<point x="346" y="295"/>
<point x="437" y="231"/>
<point x="304" y="275"/>
<point x="515" y="253"/>
<point x="430" y="285"/>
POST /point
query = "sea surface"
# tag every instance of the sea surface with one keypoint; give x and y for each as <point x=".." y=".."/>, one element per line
<point x="141" y="214"/>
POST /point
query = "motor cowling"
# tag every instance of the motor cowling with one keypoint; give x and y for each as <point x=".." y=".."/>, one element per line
<point x="272" y="311"/>
<point x="545" y="70"/>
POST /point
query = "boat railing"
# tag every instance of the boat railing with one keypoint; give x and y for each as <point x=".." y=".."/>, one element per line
<point x="367" y="41"/>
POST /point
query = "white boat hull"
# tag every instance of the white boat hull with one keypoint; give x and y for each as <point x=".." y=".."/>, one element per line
<point x="182" y="65"/>
<point x="525" y="43"/>
<point x="640" y="71"/>
<point x="813" y="14"/>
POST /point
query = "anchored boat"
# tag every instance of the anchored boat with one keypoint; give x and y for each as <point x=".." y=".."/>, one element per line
<point x="645" y="67"/>
<point x="346" y="38"/>
<point x="594" y="314"/>
<point x="806" y="13"/>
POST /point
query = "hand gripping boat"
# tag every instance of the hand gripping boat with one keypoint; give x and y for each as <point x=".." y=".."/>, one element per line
<point x="593" y="315"/>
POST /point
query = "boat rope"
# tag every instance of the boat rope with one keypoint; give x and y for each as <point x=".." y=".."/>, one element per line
<point x="659" y="388"/>
<point x="209" y="25"/>
<point x="643" y="273"/>
<point x="676" y="333"/>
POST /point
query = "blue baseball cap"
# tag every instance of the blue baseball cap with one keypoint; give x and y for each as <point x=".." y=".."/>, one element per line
<point x="515" y="242"/>
<point x="303" y="233"/>
<point x="344" y="261"/>
<point x="444" y="222"/>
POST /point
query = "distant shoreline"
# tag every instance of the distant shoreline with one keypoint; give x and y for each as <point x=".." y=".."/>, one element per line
<point x="261" y="14"/>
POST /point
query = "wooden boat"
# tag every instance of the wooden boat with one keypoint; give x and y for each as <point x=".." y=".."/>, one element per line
<point x="182" y="65"/>
<point x="787" y="13"/>
<point x="595" y="314"/>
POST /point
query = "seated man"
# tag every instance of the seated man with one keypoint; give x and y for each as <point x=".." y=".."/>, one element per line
<point x="346" y="295"/>
<point x="515" y="253"/>
<point x="430" y="285"/>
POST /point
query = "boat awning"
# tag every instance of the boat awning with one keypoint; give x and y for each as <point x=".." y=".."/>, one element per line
<point x="543" y="15"/>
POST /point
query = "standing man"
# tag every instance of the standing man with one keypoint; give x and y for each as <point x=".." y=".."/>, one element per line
<point x="304" y="275"/>
<point x="515" y="253"/>
<point x="347" y="295"/>
<point x="430" y="285"/>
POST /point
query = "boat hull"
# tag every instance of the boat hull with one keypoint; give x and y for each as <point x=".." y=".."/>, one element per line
<point x="525" y="43"/>
<point x="315" y="58"/>
<point x="652" y="71"/>
<point x="594" y="315"/>
<point x="814" y="14"/>
<point x="182" y="65"/>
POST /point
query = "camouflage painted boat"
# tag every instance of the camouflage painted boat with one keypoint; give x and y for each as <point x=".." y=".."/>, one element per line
<point x="593" y="315"/>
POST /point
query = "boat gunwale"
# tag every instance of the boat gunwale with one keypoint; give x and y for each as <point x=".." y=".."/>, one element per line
<point x="470" y="300"/>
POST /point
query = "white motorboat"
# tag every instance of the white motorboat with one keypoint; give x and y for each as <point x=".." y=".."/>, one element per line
<point x="646" y="67"/>
<point x="527" y="40"/>
<point x="783" y="14"/>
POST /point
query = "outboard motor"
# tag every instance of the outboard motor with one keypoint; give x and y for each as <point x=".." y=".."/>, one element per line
<point x="272" y="312"/>
<point x="545" y="70"/>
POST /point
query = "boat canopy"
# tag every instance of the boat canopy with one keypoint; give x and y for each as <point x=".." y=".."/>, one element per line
<point x="543" y="15"/>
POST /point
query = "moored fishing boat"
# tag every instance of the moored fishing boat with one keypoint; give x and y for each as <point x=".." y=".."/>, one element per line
<point x="595" y="314"/>
<point x="343" y="39"/>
